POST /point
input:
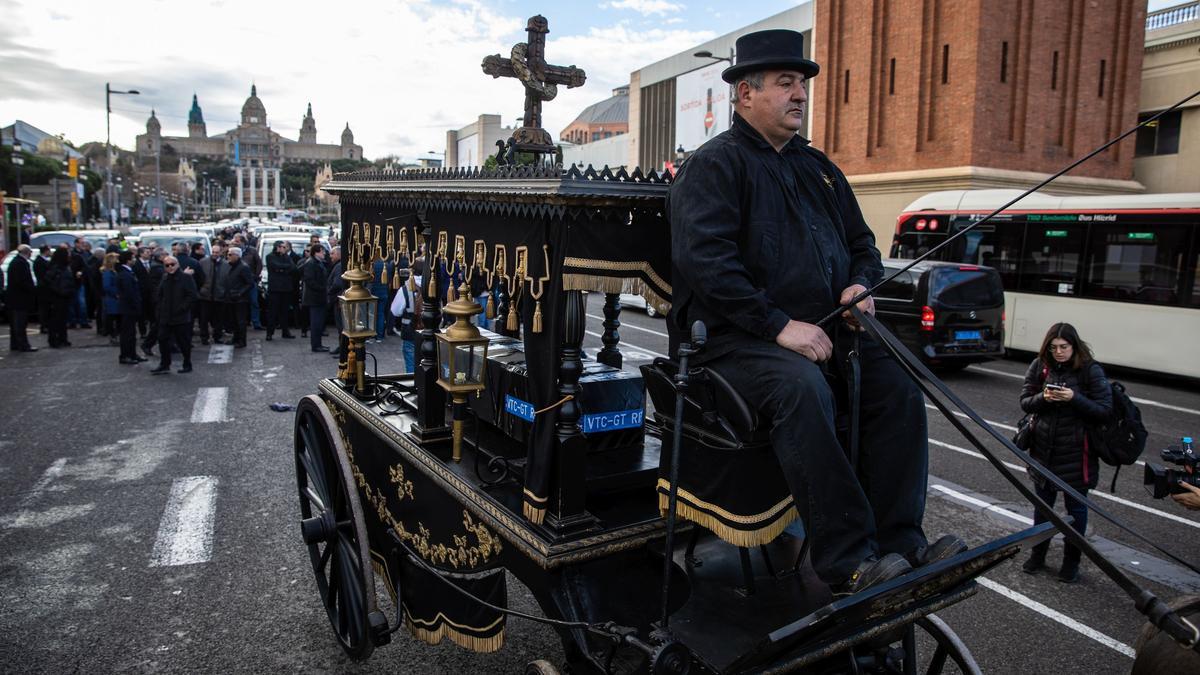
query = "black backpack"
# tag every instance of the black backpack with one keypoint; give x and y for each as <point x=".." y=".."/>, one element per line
<point x="1120" y="439"/>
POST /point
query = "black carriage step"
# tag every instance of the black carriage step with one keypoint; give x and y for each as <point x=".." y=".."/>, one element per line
<point x="620" y="469"/>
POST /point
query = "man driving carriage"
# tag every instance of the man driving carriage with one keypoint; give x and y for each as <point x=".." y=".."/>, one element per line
<point x="767" y="237"/>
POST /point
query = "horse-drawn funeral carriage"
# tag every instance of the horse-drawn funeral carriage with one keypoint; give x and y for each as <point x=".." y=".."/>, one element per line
<point x="511" y="450"/>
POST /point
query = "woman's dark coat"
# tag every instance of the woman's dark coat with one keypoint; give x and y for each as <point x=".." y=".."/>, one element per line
<point x="1059" y="431"/>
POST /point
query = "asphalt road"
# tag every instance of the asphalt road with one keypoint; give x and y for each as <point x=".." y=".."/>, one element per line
<point x="95" y="459"/>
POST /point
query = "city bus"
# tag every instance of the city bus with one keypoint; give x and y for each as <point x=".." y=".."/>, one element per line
<point x="1121" y="268"/>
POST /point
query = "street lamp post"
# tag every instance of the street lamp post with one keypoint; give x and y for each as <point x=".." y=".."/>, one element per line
<point x="158" y="185"/>
<point x="108" y="92"/>
<point x="18" y="160"/>
<point x="705" y="54"/>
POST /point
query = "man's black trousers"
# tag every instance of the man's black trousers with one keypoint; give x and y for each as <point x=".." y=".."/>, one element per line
<point x="236" y="316"/>
<point x="18" y="320"/>
<point x="277" y="311"/>
<point x="848" y="516"/>
<point x="316" y="324"/>
<point x="129" y="336"/>
<point x="174" y="338"/>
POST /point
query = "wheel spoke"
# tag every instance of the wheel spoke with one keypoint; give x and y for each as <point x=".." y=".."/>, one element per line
<point x="314" y="498"/>
<point x="325" y="555"/>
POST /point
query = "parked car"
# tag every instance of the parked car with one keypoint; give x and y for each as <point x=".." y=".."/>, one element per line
<point x="97" y="238"/>
<point x="266" y="244"/>
<point x="631" y="301"/>
<point x="949" y="314"/>
<point x="167" y="238"/>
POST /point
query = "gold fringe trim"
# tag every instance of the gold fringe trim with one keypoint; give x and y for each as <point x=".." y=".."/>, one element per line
<point x="490" y="309"/>
<point x="537" y="317"/>
<point x="533" y="513"/>
<point x="629" y="285"/>
<point x="737" y="537"/>
<point x="474" y="643"/>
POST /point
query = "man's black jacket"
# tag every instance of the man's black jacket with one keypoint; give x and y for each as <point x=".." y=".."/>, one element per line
<point x="238" y="282"/>
<point x="176" y="293"/>
<point x="759" y="237"/>
<point x="129" y="292"/>
<point x="281" y="273"/>
<point x="315" y="279"/>
<point x="21" y="293"/>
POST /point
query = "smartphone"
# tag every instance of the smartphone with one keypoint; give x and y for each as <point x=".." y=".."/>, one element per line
<point x="1058" y="387"/>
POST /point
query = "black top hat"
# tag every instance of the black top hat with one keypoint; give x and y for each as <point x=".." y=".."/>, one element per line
<point x="770" y="49"/>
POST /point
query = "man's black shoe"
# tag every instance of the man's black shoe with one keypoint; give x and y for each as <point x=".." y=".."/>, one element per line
<point x="28" y="349"/>
<point x="320" y="349"/>
<point x="140" y="359"/>
<point x="239" y="345"/>
<point x="218" y="341"/>
<point x="187" y="368"/>
<point x="288" y="336"/>
<point x="270" y="337"/>
<point x="872" y="572"/>
<point x="947" y="546"/>
<point x="148" y="351"/>
<point x="161" y="370"/>
<point x="128" y="362"/>
<point x="204" y="341"/>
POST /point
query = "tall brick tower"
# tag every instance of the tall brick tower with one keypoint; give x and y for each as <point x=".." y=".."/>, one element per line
<point x="923" y="95"/>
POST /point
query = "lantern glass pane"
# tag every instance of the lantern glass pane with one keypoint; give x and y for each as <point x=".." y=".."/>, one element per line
<point x="368" y="315"/>
<point x="444" y="358"/>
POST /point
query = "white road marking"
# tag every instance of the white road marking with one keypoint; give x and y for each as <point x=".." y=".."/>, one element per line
<point x="1094" y="493"/>
<point x="998" y="425"/>
<point x="629" y="325"/>
<point x="632" y="346"/>
<point x="968" y="499"/>
<point x="1055" y="615"/>
<point x="210" y="405"/>
<point x="185" y="533"/>
<point x="1140" y="401"/>
<point x="219" y="354"/>
<point x="53" y="471"/>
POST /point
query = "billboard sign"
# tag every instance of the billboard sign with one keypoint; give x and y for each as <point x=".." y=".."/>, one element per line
<point x="701" y="106"/>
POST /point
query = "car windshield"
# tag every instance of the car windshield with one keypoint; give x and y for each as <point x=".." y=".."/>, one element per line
<point x="166" y="240"/>
<point x="966" y="287"/>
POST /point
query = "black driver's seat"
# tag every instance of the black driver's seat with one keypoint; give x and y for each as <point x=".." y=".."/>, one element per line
<point x="729" y="480"/>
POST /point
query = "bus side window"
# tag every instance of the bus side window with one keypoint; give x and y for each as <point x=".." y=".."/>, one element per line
<point x="1052" y="259"/>
<point x="1141" y="263"/>
<point x="1000" y="249"/>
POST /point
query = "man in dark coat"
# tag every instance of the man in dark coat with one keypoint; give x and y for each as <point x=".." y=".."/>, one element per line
<point x="77" y="315"/>
<point x="209" y="310"/>
<point x="20" y="298"/>
<point x="767" y="238"/>
<point x="141" y="270"/>
<point x="281" y="274"/>
<point x="129" y="307"/>
<point x="315" y="280"/>
<point x="41" y="265"/>
<point x="236" y="294"/>
<point x="335" y="286"/>
<point x="250" y="259"/>
<point x="175" y="295"/>
<point x="154" y="276"/>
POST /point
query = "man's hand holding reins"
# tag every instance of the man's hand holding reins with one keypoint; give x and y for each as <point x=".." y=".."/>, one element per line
<point x="866" y="305"/>
<point x="806" y="339"/>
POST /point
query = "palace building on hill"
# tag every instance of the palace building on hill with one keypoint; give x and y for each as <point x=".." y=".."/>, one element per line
<point x="256" y="152"/>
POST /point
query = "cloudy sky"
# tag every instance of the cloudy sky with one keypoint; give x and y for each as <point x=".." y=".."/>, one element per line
<point x="400" y="72"/>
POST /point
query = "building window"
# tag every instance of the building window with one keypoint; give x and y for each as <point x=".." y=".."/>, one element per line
<point x="1100" y="93"/>
<point x="846" y="87"/>
<point x="945" y="64"/>
<point x="1054" y="72"/>
<point x="1004" y="61"/>
<point x="892" y="78"/>
<point x="1160" y="137"/>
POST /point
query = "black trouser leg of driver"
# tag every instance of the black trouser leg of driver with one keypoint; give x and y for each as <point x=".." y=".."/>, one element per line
<point x="277" y="306"/>
<point x="838" y="511"/>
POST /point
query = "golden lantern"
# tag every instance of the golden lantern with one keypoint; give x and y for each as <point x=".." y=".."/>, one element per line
<point x="358" y="309"/>
<point x="462" y="357"/>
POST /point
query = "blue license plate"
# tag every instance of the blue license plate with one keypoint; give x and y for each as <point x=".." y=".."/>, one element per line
<point x="968" y="335"/>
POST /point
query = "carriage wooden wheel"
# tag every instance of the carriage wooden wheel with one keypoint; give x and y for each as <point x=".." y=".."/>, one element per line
<point x="332" y="527"/>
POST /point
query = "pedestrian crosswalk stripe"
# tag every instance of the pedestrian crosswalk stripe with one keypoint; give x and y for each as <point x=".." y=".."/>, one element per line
<point x="185" y="533"/>
<point x="210" y="405"/>
<point x="220" y="354"/>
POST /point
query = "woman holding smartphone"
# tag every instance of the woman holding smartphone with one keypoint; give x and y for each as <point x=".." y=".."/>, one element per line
<point x="1065" y="390"/>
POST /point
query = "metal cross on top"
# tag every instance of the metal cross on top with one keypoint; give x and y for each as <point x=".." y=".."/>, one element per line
<point x="527" y="63"/>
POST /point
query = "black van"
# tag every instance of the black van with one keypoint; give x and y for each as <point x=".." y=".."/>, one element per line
<point x="949" y="314"/>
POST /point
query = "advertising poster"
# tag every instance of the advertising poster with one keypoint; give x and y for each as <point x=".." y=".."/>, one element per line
<point x="701" y="106"/>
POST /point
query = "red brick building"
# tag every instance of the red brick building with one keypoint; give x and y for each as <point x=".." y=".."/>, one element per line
<point x="599" y="121"/>
<point x="921" y="95"/>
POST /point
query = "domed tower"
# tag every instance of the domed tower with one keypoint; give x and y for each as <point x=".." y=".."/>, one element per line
<point x="308" y="127"/>
<point x="348" y="143"/>
<point x="153" y="138"/>
<point x="253" y="110"/>
<point x="196" y="126"/>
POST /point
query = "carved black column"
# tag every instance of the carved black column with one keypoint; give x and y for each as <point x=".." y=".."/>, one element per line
<point x="431" y="399"/>
<point x="501" y="325"/>
<point x="566" y="514"/>
<point x="611" y="354"/>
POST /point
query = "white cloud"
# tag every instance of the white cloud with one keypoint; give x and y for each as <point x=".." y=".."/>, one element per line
<point x="645" y="7"/>
<point x="400" y="73"/>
